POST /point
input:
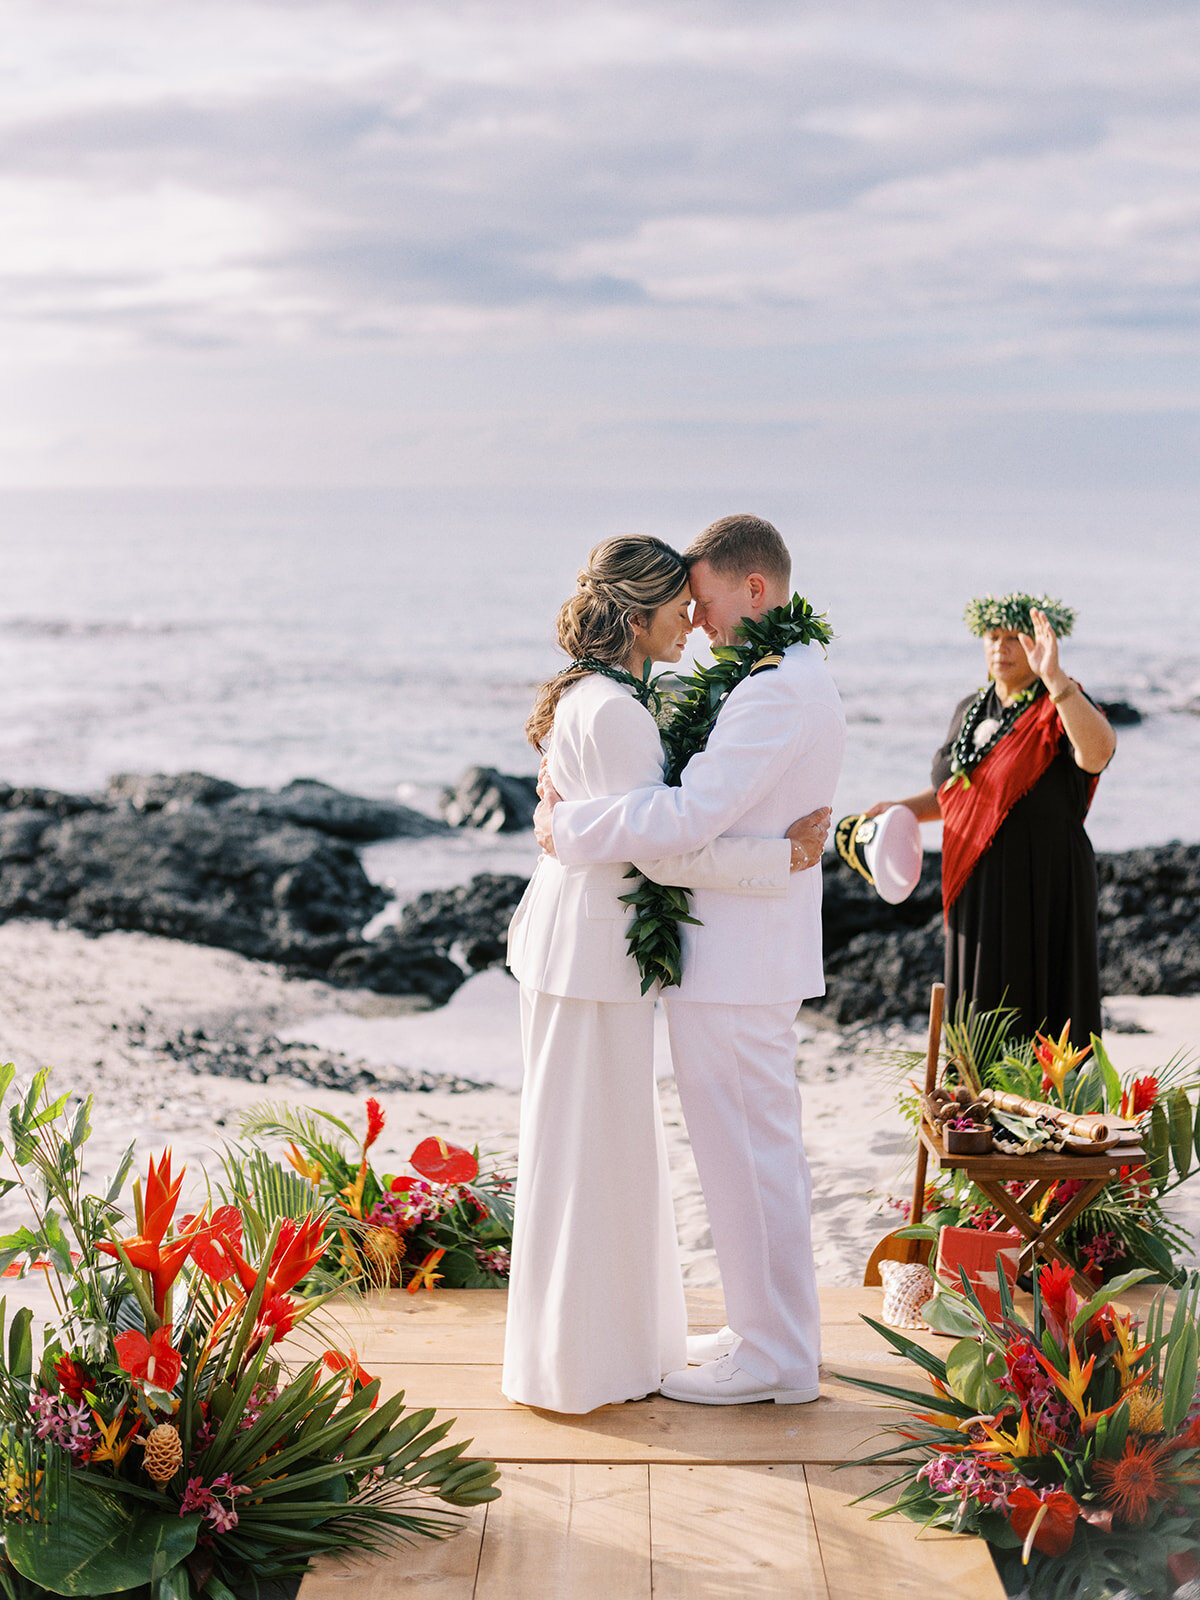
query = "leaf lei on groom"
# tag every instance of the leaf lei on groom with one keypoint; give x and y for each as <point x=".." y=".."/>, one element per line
<point x="659" y="909"/>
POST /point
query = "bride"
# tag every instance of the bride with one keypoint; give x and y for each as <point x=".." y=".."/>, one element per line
<point x="595" y="1305"/>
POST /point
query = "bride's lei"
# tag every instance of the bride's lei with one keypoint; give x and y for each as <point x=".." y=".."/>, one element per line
<point x="659" y="909"/>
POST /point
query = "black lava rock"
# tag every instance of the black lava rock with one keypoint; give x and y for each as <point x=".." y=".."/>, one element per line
<point x="255" y="885"/>
<point x="305" y="801"/>
<point x="472" y="919"/>
<point x="393" y="964"/>
<point x="492" y="801"/>
<point x="1121" y="713"/>
<point x="1149" y="923"/>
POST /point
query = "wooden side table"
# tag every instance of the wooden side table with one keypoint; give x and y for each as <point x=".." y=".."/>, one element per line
<point x="1038" y="1174"/>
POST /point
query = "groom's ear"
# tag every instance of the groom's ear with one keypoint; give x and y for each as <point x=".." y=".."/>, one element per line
<point x="756" y="590"/>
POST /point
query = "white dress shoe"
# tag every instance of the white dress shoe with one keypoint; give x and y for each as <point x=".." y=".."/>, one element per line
<point x="723" y="1383"/>
<point x="710" y="1346"/>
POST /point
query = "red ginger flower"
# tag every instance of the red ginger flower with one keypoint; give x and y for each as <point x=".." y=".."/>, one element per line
<point x="151" y="1360"/>
<point x="147" y="1249"/>
<point x="71" y="1379"/>
<point x="1140" y="1097"/>
<point x="375" y="1121"/>
<point x="1059" y="1300"/>
<point x="444" y="1163"/>
<point x="1050" y="1518"/>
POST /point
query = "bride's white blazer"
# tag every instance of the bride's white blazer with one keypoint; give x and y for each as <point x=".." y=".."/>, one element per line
<point x="567" y="936"/>
<point x="774" y="755"/>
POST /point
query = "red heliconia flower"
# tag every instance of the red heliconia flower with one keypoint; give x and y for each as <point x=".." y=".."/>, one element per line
<point x="375" y="1121"/>
<point x="444" y="1163"/>
<point x="152" y="1360"/>
<point x="218" y="1244"/>
<point x="276" y="1319"/>
<point x="1058" y="1513"/>
<point x="1140" y="1097"/>
<point x="1059" y="1300"/>
<point x="298" y="1249"/>
<point x="71" y="1379"/>
<point x="147" y="1250"/>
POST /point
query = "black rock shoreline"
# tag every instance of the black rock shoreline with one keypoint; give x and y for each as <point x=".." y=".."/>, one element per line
<point x="276" y="875"/>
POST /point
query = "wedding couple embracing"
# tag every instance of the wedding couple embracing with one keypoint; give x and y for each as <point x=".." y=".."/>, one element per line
<point x="729" y="800"/>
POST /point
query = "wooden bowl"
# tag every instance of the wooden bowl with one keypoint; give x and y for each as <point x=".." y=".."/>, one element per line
<point x="967" y="1141"/>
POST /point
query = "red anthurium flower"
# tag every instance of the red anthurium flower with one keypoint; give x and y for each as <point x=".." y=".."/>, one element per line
<point x="401" y="1185"/>
<point x="71" y="1379"/>
<point x="375" y="1121"/>
<point x="444" y="1163"/>
<point x="218" y="1244"/>
<point x="298" y="1249"/>
<point x="1059" y="1300"/>
<point x="152" y="1360"/>
<point x="1050" y="1520"/>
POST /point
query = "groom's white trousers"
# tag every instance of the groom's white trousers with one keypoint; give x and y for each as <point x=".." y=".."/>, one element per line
<point x="735" y="1067"/>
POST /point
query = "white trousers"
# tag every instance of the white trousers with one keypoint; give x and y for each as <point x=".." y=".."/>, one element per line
<point x="595" y="1301"/>
<point x="736" y="1073"/>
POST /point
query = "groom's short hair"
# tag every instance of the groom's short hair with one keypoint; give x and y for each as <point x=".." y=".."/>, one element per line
<point x="736" y="546"/>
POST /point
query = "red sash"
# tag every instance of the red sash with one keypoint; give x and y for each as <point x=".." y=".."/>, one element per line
<point x="971" y="817"/>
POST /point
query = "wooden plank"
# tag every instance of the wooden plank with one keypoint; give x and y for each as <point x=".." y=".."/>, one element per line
<point x="830" y="1429"/>
<point x="891" y="1560"/>
<point x="437" y="1569"/>
<point x="725" y="1531"/>
<point x="568" y="1532"/>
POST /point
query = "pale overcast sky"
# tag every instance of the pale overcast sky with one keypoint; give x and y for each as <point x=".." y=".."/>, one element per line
<point x="662" y="243"/>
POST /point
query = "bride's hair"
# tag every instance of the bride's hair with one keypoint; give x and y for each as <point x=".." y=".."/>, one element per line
<point x="625" y="578"/>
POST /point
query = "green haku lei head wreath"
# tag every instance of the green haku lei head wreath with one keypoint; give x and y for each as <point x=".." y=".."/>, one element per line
<point x="1010" y="612"/>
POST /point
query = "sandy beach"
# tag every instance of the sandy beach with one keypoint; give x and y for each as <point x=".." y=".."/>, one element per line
<point x="139" y="1023"/>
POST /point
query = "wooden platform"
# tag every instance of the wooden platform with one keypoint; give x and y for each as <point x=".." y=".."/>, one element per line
<point x="655" y="1499"/>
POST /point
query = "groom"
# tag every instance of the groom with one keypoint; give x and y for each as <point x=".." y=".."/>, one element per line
<point x="774" y="754"/>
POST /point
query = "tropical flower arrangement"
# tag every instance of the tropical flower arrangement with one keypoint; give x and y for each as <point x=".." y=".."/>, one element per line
<point x="1128" y="1224"/>
<point x="1071" y="1441"/>
<point x="448" y="1222"/>
<point x="161" y="1440"/>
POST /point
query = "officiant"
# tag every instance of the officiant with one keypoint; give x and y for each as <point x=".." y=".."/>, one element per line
<point x="1012" y="785"/>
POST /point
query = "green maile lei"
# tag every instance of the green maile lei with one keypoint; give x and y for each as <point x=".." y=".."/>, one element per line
<point x="977" y="739"/>
<point x="659" y="909"/>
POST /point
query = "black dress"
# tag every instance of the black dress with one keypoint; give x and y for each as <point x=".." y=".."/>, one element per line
<point x="1023" y="930"/>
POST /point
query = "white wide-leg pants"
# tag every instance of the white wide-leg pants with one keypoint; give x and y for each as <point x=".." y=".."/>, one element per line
<point x="735" y="1068"/>
<point x="596" y="1312"/>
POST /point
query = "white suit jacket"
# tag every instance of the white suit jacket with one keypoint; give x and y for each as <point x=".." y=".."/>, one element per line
<point x="774" y="755"/>
<point x="567" y="936"/>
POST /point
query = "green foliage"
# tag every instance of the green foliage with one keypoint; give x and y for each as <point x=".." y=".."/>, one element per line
<point x="89" y="1541"/>
<point x="1012" y="611"/>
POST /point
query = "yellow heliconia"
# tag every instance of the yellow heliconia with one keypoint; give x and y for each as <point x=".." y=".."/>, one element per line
<point x="1059" y="1056"/>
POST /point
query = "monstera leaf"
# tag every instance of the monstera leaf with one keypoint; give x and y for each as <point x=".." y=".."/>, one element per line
<point x="89" y="1542"/>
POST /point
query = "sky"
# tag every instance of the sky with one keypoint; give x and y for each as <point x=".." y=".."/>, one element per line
<point x="889" y="248"/>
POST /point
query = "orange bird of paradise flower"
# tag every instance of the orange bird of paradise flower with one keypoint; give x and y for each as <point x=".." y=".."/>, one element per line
<point x="424" y="1277"/>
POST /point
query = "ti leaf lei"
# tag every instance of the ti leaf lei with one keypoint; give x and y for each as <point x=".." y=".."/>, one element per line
<point x="977" y="739"/>
<point x="659" y="909"/>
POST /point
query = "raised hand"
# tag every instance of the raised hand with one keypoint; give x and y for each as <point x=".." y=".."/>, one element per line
<point x="1041" y="651"/>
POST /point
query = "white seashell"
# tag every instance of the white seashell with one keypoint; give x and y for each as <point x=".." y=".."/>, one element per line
<point x="906" y="1287"/>
<point x="986" y="730"/>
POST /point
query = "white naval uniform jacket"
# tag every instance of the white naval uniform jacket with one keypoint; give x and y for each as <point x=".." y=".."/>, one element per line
<point x="774" y="755"/>
<point x="568" y="935"/>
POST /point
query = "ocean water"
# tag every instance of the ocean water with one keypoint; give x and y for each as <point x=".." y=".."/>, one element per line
<point x="384" y="641"/>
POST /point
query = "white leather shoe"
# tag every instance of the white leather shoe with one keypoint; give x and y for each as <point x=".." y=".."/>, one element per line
<point x="723" y="1383"/>
<point x="710" y="1346"/>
